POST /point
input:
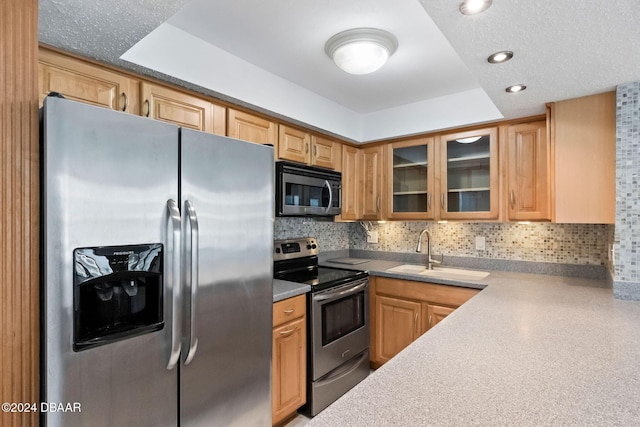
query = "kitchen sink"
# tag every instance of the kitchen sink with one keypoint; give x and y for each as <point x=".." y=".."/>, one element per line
<point x="441" y="272"/>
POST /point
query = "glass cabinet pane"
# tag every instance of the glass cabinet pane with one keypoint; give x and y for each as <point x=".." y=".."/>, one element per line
<point x="410" y="179"/>
<point x="469" y="174"/>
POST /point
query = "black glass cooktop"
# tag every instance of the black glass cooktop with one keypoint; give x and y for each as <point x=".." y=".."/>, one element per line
<point x="320" y="278"/>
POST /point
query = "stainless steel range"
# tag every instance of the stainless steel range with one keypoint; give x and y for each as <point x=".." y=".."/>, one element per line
<point x="338" y="321"/>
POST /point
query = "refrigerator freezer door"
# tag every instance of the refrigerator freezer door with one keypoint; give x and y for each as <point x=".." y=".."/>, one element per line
<point x="107" y="179"/>
<point x="229" y="185"/>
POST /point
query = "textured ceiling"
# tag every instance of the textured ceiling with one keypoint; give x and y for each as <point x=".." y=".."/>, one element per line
<point x="437" y="79"/>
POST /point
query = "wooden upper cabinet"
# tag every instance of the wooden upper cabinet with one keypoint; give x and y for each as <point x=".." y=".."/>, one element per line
<point x="81" y="81"/>
<point x="299" y="146"/>
<point x="583" y="141"/>
<point x="326" y="153"/>
<point x="293" y="144"/>
<point x="469" y="178"/>
<point x="528" y="172"/>
<point x="410" y="167"/>
<point x="350" y="182"/>
<point x="182" y="109"/>
<point x="370" y="186"/>
<point x="247" y="127"/>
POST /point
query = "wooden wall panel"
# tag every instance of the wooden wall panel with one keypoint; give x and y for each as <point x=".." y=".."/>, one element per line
<point x="19" y="198"/>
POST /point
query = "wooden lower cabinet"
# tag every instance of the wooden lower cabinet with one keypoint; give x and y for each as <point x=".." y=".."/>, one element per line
<point x="402" y="310"/>
<point x="432" y="314"/>
<point x="397" y="325"/>
<point x="289" y="357"/>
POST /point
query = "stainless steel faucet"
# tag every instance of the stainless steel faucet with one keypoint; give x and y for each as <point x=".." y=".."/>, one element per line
<point x="430" y="261"/>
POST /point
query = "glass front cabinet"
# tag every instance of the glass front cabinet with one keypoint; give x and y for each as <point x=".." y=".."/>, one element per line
<point x="469" y="175"/>
<point x="411" y="179"/>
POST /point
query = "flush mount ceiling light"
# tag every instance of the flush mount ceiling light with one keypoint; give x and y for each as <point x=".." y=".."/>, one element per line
<point x="500" y="57"/>
<point x="515" y="88"/>
<point x="471" y="7"/>
<point x="361" y="50"/>
<point x="468" y="140"/>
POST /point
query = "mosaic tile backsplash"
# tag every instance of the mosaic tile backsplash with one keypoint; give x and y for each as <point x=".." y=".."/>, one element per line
<point x="584" y="244"/>
<point x="626" y="283"/>
<point x="539" y="242"/>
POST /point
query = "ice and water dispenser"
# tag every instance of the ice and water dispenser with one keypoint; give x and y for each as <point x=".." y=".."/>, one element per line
<point x="117" y="293"/>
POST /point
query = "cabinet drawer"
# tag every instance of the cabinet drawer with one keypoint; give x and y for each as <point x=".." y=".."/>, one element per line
<point x="289" y="309"/>
<point x="452" y="296"/>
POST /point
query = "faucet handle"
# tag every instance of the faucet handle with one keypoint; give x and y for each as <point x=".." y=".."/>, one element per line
<point x="435" y="261"/>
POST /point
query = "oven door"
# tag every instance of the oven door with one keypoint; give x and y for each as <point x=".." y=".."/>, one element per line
<point x="339" y="325"/>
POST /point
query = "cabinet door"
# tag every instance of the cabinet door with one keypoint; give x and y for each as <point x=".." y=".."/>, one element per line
<point x="326" y="153"/>
<point x="289" y="369"/>
<point x="410" y="167"/>
<point x="469" y="175"/>
<point x="294" y="145"/>
<point x="350" y="181"/>
<point x="172" y="106"/>
<point x="528" y="170"/>
<point x="432" y="314"/>
<point x="583" y="134"/>
<point x="397" y="326"/>
<point x="247" y="127"/>
<point x="371" y="183"/>
<point x="84" y="82"/>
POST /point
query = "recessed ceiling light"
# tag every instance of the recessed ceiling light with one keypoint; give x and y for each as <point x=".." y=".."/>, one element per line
<point x="499" y="57"/>
<point x="471" y="7"/>
<point x="361" y="50"/>
<point x="516" y="88"/>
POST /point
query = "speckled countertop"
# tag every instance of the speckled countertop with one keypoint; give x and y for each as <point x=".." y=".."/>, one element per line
<point x="283" y="289"/>
<point x="528" y="350"/>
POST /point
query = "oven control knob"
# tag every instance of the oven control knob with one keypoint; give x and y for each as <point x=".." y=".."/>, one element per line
<point x="277" y="250"/>
<point x="308" y="247"/>
<point x="313" y="246"/>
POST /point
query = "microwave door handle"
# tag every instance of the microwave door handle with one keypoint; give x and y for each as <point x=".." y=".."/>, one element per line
<point x="192" y="252"/>
<point x="330" y="195"/>
<point x="340" y="294"/>
<point x="174" y="277"/>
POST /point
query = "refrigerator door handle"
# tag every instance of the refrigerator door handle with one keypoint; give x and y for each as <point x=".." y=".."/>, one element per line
<point x="176" y="330"/>
<point x="192" y="257"/>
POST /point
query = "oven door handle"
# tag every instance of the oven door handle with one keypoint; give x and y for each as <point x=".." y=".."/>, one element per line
<point x="328" y="185"/>
<point x="340" y="294"/>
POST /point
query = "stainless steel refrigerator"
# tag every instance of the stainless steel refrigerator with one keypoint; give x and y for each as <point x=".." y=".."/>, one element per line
<point x="157" y="273"/>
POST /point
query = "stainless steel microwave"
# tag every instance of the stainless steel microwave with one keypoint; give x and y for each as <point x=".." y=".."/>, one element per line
<point x="307" y="191"/>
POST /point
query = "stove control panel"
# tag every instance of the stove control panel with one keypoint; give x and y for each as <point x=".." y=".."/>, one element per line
<point x="294" y="248"/>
